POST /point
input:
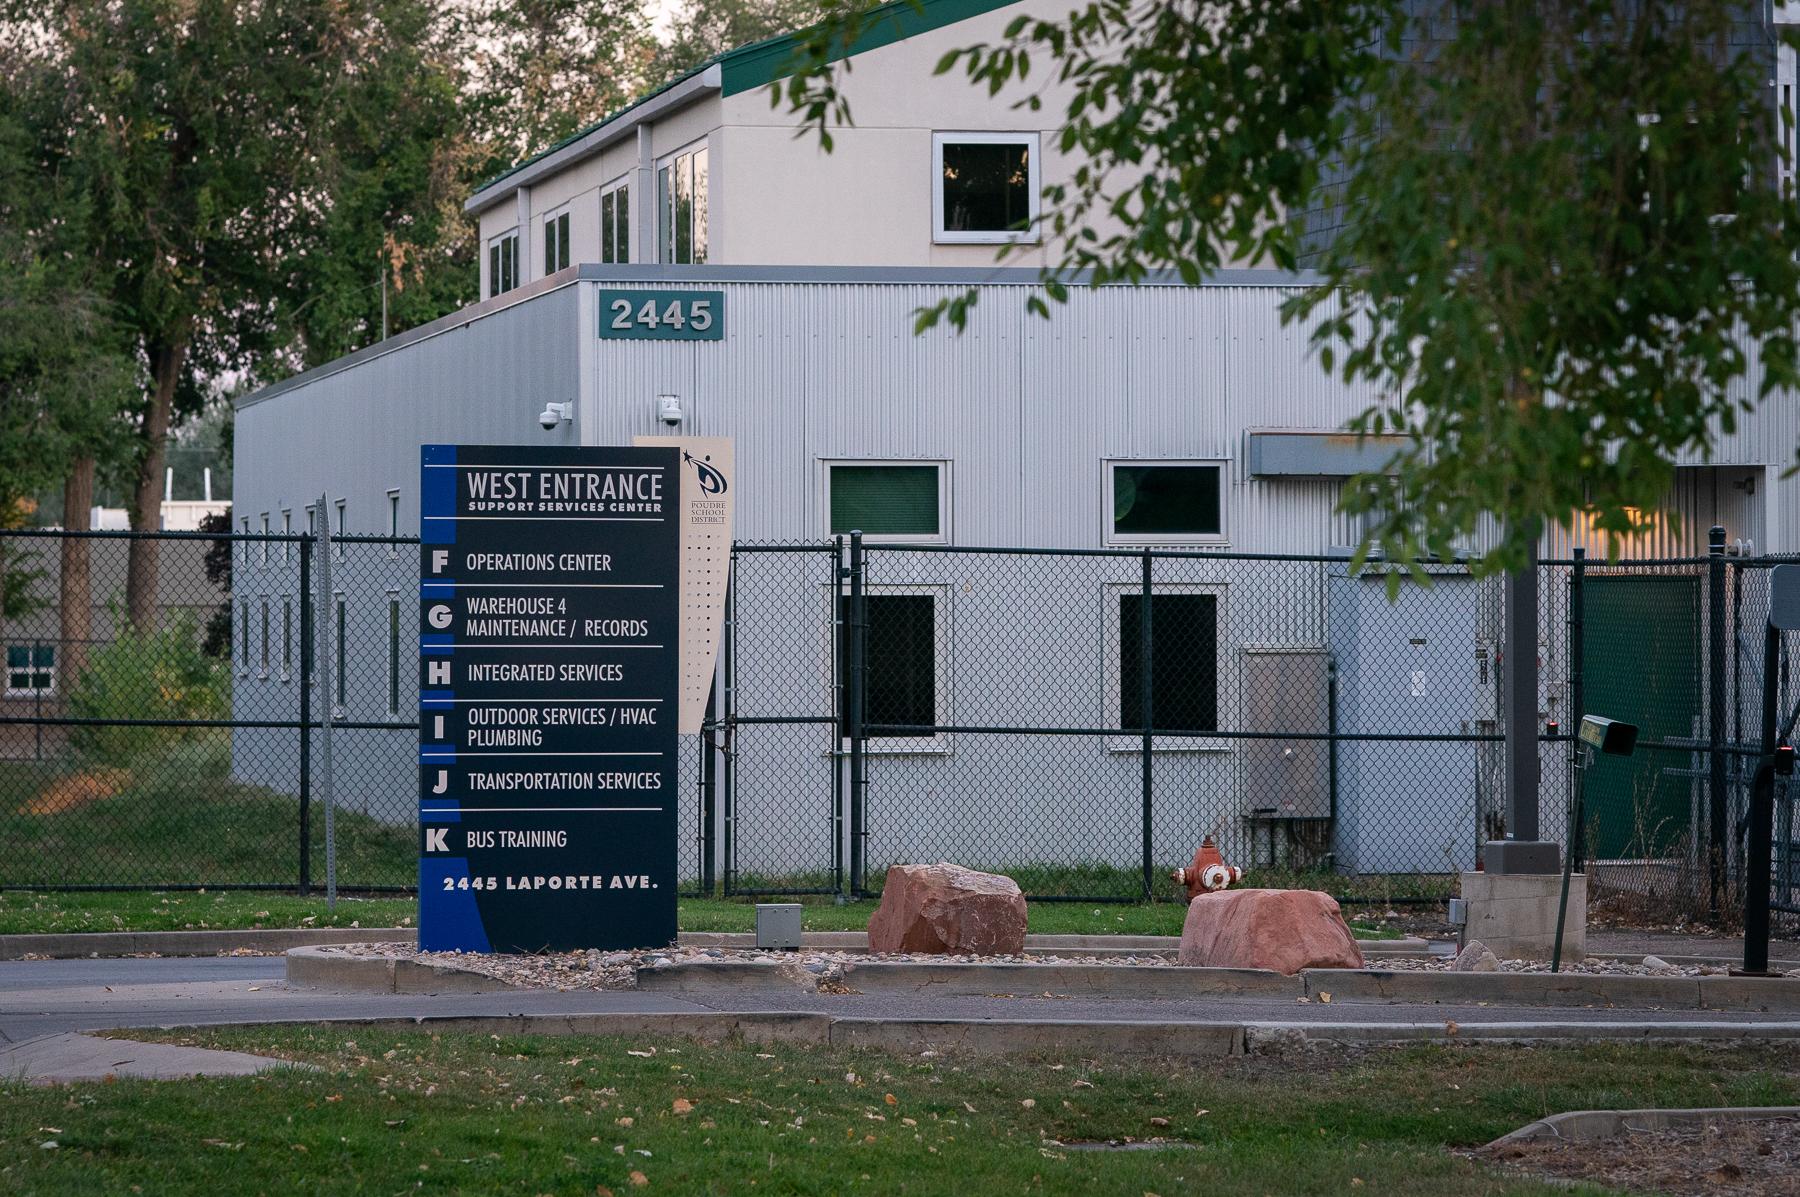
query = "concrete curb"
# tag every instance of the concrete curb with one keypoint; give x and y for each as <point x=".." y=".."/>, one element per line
<point x="1582" y="1126"/>
<point x="316" y="969"/>
<point x="1277" y="1036"/>
<point x="1766" y="994"/>
<point x="977" y="980"/>
<point x="1084" y="1037"/>
<point x="76" y="945"/>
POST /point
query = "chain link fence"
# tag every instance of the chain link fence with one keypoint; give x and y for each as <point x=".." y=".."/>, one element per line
<point x="1076" y="719"/>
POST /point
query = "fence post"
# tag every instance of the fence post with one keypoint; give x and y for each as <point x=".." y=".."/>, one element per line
<point x="329" y="665"/>
<point x="1715" y="718"/>
<point x="1574" y="830"/>
<point x="839" y="696"/>
<point x="729" y="829"/>
<point x="1146" y="642"/>
<point x="708" y="787"/>
<point x="306" y="680"/>
<point x="854" y="709"/>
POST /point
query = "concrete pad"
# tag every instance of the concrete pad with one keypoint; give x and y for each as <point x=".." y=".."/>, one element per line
<point x="1515" y="913"/>
<point x="1582" y="1126"/>
<point x="59" y="1059"/>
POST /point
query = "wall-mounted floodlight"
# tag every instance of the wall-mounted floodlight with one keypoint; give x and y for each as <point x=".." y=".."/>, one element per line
<point x="554" y="414"/>
<point x="1611" y="736"/>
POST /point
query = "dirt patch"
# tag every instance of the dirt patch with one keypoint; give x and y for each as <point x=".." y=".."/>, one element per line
<point x="1726" y="1159"/>
<point x="75" y="790"/>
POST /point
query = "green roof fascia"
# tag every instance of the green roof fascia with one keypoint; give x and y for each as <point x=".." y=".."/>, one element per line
<point x="758" y="64"/>
<point x="762" y="63"/>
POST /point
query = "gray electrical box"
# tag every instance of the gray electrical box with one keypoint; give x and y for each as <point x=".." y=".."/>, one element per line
<point x="778" y="925"/>
<point x="1285" y="691"/>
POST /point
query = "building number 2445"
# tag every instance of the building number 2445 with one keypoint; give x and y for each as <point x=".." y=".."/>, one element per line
<point x="698" y="314"/>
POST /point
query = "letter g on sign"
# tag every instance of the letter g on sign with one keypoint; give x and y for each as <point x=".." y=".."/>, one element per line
<point x="439" y="615"/>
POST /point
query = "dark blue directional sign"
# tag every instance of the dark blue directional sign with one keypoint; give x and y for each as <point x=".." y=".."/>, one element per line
<point x="548" y="667"/>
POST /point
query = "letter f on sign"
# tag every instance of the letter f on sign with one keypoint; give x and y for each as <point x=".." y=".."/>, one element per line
<point x="435" y="839"/>
<point x="439" y="559"/>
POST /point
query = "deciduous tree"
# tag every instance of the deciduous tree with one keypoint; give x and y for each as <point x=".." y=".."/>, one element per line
<point x="1550" y="233"/>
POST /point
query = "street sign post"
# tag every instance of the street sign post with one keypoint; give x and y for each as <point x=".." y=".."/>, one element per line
<point x="548" y="649"/>
<point x="1777" y="758"/>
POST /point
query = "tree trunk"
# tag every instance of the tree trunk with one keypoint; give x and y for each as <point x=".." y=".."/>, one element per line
<point x="146" y="500"/>
<point x="77" y="608"/>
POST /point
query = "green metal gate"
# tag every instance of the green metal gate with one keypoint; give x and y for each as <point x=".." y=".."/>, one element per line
<point x="1641" y="651"/>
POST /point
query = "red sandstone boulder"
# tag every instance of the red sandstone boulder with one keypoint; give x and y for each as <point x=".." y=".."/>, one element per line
<point x="947" y="908"/>
<point x="1281" y="929"/>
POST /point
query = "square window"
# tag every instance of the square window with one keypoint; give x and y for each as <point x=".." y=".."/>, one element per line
<point x="556" y="243"/>
<point x="1164" y="502"/>
<point x="1190" y="679"/>
<point x="1184" y="683"/>
<point x="900" y="501"/>
<point x="907" y="667"/>
<point x="615" y="224"/>
<point x="503" y="263"/>
<point x="30" y="670"/>
<point x="985" y="187"/>
<point x="681" y="184"/>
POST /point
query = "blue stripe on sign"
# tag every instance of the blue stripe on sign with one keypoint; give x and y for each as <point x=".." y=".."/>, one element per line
<point x="436" y="700"/>
<point x="437" y="495"/>
<point x="436" y="644"/>
<point x="438" y="588"/>
<point x="438" y="813"/>
<point x="449" y="919"/>
<point x="437" y="754"/>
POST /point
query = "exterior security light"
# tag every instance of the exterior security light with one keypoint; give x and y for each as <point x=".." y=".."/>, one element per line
<point x="554" y="414"/>
<point x="668" y="408"/>
<point x="1608" y="735"/>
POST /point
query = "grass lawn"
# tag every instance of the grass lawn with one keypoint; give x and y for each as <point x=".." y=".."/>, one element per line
<point x="44" y="912"/>
<point x="34" y="911"/>
<point x="167" y="823"/>
<point x="412" y="1111"/>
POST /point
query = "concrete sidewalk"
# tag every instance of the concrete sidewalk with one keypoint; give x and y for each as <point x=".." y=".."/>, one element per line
<point x="60" y="1058"/>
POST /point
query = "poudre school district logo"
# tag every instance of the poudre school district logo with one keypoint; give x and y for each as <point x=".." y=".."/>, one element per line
<point x="711" y="481"/>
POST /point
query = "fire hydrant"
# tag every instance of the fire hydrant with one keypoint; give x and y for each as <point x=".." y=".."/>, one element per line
<point x="1209" y="872"/>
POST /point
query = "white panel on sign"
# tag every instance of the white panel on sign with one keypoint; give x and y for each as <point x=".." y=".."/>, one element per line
<point x="708" y="492"/>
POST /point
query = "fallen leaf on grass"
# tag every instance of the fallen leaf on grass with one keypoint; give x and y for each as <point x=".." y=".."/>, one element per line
<point x="626" y="1121"/>
<point x="1159" y="1122"/>
<point x="1029" y="1103"/>
<point x="890" y="1099"/>
<point x="638" y="1179"/>
<point x="683" y="1106"/>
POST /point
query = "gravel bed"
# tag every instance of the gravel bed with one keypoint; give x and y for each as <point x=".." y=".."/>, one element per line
<point x="1730" y="1159"/>
<point x="1612" y="968"/>
<point x="618" y="970"/>
<point x="826" y="969"/>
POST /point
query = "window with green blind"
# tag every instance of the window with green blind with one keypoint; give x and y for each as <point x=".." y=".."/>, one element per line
<point x="886" y="500"/>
